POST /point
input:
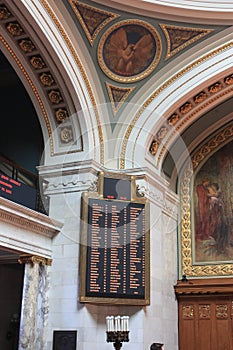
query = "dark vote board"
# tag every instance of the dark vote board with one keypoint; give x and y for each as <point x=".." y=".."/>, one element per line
<point x="17" y="192"/>
<point x="115" y="251"/>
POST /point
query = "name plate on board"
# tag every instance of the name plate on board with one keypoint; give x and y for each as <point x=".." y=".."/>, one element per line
<point x="114" y="254"/>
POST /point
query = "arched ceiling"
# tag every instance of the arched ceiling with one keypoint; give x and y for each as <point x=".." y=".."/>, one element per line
<point x="198" y="10"/>
<point x="187" y="71"/>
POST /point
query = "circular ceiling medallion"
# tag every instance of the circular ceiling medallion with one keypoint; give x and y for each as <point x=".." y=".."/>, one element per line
<point x="129" y="51"/>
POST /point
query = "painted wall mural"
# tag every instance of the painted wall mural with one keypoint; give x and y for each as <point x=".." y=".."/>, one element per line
<point x="213" y="208"/>
<point x="206" y="229"/>
<point x="129" y="51"/>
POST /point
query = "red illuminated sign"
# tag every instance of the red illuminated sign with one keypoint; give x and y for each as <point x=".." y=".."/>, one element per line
<point x="17" y="191"/>
<point x="7" y="184"/>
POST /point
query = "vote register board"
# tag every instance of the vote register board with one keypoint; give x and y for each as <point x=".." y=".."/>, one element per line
<point x="114" y="256"/>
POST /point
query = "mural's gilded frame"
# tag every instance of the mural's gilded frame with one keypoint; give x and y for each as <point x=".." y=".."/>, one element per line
<point x="187" y="265"/>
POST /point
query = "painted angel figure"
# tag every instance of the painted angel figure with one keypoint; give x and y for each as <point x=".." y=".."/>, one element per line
<point x="129" y="58"/>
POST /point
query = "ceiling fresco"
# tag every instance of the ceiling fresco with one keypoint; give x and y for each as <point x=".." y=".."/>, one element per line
<point x="128" y="50"/>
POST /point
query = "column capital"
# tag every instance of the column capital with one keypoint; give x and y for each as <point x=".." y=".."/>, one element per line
<point x="34" y="259"/>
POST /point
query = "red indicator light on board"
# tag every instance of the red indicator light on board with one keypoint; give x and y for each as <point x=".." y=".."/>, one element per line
<point x="4" y="177"/>
<point x="110" y="197"/>
<point x="5" y="184"/>
<point x="15" y="182"/>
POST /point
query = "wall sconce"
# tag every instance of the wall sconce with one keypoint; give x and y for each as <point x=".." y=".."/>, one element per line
<point x="117" y="329"/>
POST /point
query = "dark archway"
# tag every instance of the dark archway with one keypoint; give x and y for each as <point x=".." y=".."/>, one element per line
<point x="21" y="137"/>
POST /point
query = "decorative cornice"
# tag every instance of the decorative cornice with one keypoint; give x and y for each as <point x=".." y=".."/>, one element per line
<point x="204" y="287"/>
<point x="27" y="219"/>
<point x="34" y="259"/>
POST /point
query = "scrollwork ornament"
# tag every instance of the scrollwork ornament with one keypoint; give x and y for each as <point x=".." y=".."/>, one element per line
<point x="66" y="135"/>
<point x="4" y="13"/>
<point x="46" y="79"/>
<point x="55" y="96"/>
<point x="186" y="108"/>
<point x="15" y="29"/>
<point x="27" y="45"/>
<point x="215" y="88"/>
<point x="37" y="62"/>
<point x="173" y="119"/>
<point x="61" y="114"/>
<point x="93" y="186"/>
<point x="154" y="147"/>
<point x="139" y="192"/>
<point x="229" y="80"/>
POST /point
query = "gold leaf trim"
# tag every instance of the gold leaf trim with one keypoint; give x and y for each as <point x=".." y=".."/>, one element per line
<point x="187" y="266"/>
<point x="178" y="38"/>
<point x="34" y="259"/>
<point x="92" y="19"/>
<point x="118" y="96"/>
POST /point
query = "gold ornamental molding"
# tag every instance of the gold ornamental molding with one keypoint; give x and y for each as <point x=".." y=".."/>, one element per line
<point x="129" y="51"/>
<point x="188" y="266"/>
<point x="117" y="95"/>
<point x="43" y="73"/>
<point x="33" y="88"/>
<point x="82" y="71"/>
<point x="205" y="98"/>
<point x="34" y="259"/>
<point x="173" y="118"/>
<point x="178" y="38"/>
<point x="92" y="19"/>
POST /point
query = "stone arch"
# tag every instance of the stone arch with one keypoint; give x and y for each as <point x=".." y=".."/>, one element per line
<point x="174" y="107"/>
<point x="64" y="103"/>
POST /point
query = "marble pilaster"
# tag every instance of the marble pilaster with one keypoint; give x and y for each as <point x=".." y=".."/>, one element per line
<point x="34" y="308"/>
<point x="43" y="306"/>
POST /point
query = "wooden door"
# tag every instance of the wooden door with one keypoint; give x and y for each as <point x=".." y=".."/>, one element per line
<point x="205" y="324"/>
<point x="205" y="318"/>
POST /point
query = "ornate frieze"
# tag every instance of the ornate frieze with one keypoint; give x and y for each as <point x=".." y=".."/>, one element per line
<point x="188" y="312"/>
<point x="34" y="259"/>
<point x="200" y="99"/>
<point x="4" y="13"/>
<point x="29" y="230"/>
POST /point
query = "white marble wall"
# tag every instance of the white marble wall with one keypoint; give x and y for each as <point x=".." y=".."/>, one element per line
<point x="154" y="323"/>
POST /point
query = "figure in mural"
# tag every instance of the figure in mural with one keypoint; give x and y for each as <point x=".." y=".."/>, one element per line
<point x="129" y="58"/>
<point x="202" y="220"/>
<point x="217" y="221"/>
<point x="211" y="221"/>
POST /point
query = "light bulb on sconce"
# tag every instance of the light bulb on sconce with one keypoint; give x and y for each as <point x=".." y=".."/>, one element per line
<point x="117" y="329"/>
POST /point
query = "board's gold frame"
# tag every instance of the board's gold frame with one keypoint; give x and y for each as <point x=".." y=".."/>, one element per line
<point x="83" y="243"/>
